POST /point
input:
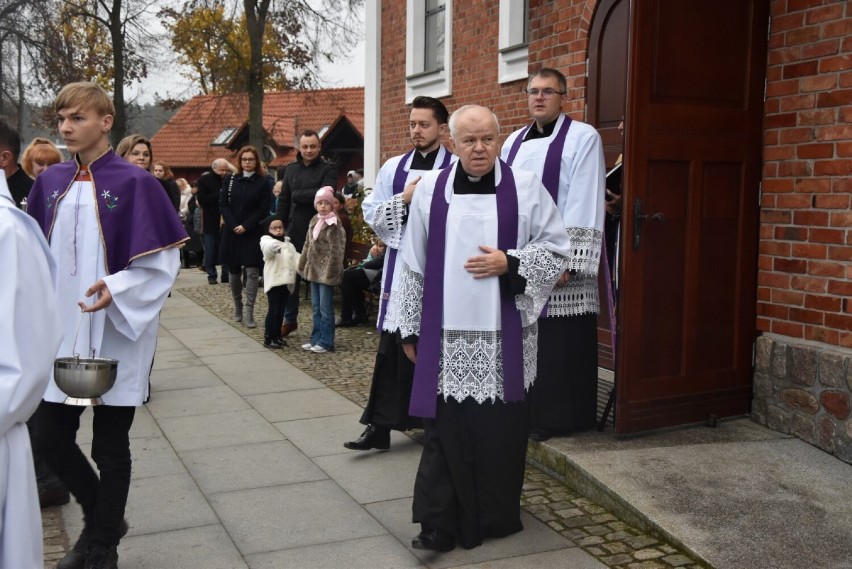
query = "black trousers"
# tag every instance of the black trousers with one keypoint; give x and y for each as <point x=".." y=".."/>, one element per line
<point x="564" y="396"/>
<point x="277" y="299"/>
<point x="103" y="498"/>
<point x="353" y="285"/>
<point x="390" y="390"/>
<point x="472" y="469"/>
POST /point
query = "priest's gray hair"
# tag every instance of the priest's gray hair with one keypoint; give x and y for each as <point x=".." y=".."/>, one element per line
<point x="454" y="118"/>
<point x="220" y="162"/>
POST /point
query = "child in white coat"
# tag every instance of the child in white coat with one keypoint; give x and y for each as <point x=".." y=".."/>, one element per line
<point x="280" y="260"/>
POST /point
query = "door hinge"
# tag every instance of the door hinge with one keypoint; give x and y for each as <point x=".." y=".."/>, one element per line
<point x="760" y="194"/>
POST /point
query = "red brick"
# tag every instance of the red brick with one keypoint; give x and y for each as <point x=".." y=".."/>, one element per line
<point x="793" y="201"/>
<point x="846" y="77"/>
<point x="841" y="219"/>
<point x="840" y="254"/>
<point x="824" y="13"/>
<point x="763" y="324"/>
<point x="810" y="218"/>
<point x="826" y="236"/>
<point x="788" y="329"/>
<point x="839" y="29"/>
<point x="781" y="88"/>
<point x="770" y="137"/>
<point x="806" y="316"/>
<point x="764" y="263"/>
<point x="790" y="265"/>
<point x="778" y="186"/>
<point x="834" y="98"/>
<point x="794" y="135"/>
<point x="795" y="168"/>
<point x="845" y="340"/>
<point x="789" y="21"/>
<point x="841" y="185"/>
<point x="839" y="321"/>
<point x="775" y="216"/>
<point x="773" y="311"/>
<point x="824" y="303"/>
<point x="826" y="269"/>
<point x="767" y="201"/>
<point x="818" y="117"/>
<point x="764" y="294"/>
<point x="801" y="36"/>
<point x="813" y="185"/>
<point x="788" y="297"/>
<point x="844" y="149"/>
<point x="791" y="233"/>
<point x="819" y="334"/>
<point x="847" y="305"/>
<point x="785" y="55"/>
<point x="779" y="248"/>
<point x="809" y="250"/>
<point x="775" y="280"/>
<point x="821" y="49"/>
<point x="781" y="120"/>
<point x="830" y="64"/>
<point x="808" y="284"/>
<point x="839" y="287"/>
<point x="831" y="201"/>
<point x="797" y="102"/>
<point x="837" y="167"/>
<point x="814" y="150"/>
<point x="817" y="83"/>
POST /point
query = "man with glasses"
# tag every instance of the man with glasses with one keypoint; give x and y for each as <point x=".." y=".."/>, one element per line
<point x="567" y="156"/>
<point x="209" y="186"/>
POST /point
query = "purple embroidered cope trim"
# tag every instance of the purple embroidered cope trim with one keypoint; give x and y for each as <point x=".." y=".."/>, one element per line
<point x="424" y="392"/>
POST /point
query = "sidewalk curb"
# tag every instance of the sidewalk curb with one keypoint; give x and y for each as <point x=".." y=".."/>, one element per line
<point x="563" y="468"/>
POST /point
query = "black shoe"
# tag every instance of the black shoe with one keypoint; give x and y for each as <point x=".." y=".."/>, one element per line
<point x="211" y="280"/>
<point x="280" y="341"/>
<point x="540" y="435"/>
<point x="434" y="540"/>
<point x="372" y="437"/>
<point x="350" y="323"/>
<point x="53" y="494"/>
<point x="77" y="555"/>
<point x="102" y="557"/>
<point x="271" y="344"/>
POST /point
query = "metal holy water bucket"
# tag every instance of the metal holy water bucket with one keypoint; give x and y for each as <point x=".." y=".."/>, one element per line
<point x="84" y="380"/>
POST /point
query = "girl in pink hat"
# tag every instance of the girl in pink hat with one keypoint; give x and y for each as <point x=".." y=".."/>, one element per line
<point x="321" y="263"/>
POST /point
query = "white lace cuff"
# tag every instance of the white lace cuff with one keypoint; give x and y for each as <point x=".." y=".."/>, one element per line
<point x="541" y="268"/>
<point x="387" y="221"/>
<point x="407" y="307"/>
<point x="585" y="250"/>
<point x="579" y="296"/>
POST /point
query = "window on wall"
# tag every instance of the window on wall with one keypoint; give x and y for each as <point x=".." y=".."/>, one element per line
<point x="514" y="34"/>
<point x="428" y="48"/>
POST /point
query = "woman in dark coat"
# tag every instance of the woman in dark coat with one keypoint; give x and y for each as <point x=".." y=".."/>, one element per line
<point x="244" y="203"/>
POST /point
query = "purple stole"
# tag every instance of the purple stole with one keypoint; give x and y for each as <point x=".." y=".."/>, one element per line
<point x="399" y="178"/>
<point x="553" y="160"/>
<point x="135" y="215"/>
<point x="425" y="388"/>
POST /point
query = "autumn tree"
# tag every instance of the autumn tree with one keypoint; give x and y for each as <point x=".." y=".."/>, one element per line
<point x="286" y="41"/>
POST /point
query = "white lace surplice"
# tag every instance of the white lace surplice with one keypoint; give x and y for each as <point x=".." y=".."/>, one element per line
<point x="385" y="213"/>
<point x="471" y="363"/>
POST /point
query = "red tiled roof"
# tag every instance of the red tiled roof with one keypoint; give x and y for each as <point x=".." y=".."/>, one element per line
<point x="185" y="141"/>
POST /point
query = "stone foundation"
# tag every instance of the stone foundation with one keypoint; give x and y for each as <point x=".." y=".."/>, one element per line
<point x="804" y="389"/>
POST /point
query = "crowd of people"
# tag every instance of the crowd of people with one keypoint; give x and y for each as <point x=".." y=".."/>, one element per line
<point x="484" y="264"/>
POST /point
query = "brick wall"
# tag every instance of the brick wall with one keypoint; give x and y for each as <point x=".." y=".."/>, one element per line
<point x="805" y="273"/>
<point x="558" y="38"/>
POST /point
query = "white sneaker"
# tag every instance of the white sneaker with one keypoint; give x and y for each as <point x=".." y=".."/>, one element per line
<point x="318" y="349"/>
<point x="307" y="347"/>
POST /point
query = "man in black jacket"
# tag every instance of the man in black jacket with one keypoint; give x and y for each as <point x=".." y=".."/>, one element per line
<point x="301" y="181"/>
<point x="10" y="147"/>
<point x="209" y="186"/>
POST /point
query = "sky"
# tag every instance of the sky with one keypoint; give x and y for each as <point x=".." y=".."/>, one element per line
<point x="166" y="82"/>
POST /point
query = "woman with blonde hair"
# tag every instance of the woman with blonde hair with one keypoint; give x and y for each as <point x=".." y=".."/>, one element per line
<point x="40" y="154"/>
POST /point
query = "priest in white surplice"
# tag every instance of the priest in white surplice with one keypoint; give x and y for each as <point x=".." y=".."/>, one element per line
<point x="484" y="247"/>
<point x="31" y="334"/>
<point x="114" y="235"/>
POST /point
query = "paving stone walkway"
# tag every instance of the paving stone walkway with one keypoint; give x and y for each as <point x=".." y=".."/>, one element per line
<point x="347" y="371"/>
